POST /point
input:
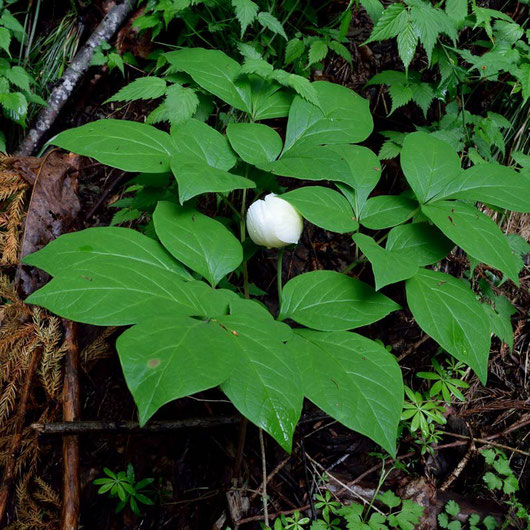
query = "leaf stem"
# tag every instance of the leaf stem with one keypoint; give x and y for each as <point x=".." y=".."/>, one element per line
<point x="264" y="487"/>
<point x="279" y="274"/>
<point x="242" y="226"/>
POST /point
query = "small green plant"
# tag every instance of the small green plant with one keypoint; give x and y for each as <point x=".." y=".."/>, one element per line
<point x="105" y="54"/>
<point x="123" y="486"/>
<point x="448" y="519"/>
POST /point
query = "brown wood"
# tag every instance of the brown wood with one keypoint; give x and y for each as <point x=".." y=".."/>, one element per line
<point x="71" y="412"/>
<point x="8" y="478"/>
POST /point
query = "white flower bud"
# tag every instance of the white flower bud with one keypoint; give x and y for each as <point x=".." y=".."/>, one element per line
<point x="273" y="222"/>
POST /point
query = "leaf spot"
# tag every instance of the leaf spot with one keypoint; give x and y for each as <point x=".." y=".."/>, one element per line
<point x="153" y="363"/>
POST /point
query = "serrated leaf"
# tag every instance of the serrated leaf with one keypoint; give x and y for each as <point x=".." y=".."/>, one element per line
<point x="341" y="117"/>
<point x="448" y="311"/>
<point x="452" y="508"/>
<point x="407" y="41"/>
<point x="304" y="88"/>
<point x="493" y="184"/>
<point x="200" y="242"/>
<point x="429" y="164"/>
<point x="141" y="88"/>
<point x="255" y="143"/>
<point x="422" y="95"/>
<point x="457" y="11"/>
<point x="341" y="51"/>
<point x="15" y="105"/>
<point x="294" y="50"/>
<point x="323" y="207"/>
<point x="246" y="12"/>
<point x="264" y="386"/>
<point x="374" y="8"/>
<point x="198" y="141"/>
<point x="492" y="481"/>
<point x="391" y="23"/>
<point x="196" y="177"/>
<point x="389" y="150"/>
<point x="389" y="498"/>
<point x="400" y="95"/>
<point x="354" y="380"/>
<point x="168" y="357"/>
<point x="458" y="220"/>
<point x="331" y="301"/>
<point x="385" y="211"/>
<point x="123" y="144"/>
<point x="257" y="66"/>
<point x="179" y="105"/>
<point x="5" y="40"/>
<point x="214" y="71"/>
<point x="269" y="21"/>
<point x="424" y="242"/>
<point x="317" y="51"/>
<point x="388" y="266"/>
<point x="19" y="77"/>
<point x="11" y="23"/>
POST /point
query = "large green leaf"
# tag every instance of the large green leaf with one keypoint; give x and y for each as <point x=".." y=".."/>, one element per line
<point x="354" y="380"/>
<point x="265" y="385"/>
<point x="342" y="117"/>
<point x="448" y="311"/>
<point x="198" y="141"/>
<point x="474" y="232"/>
<point x="104" y="246"/>
<point x="198" y="241"/>
<point x="331" y="301"/>
<point x="491" y="183"/>
<point x="269" y="100"/>
<point x="364" y="171"/>
<point x="429" y="164"/>
<point x="120" y="293"/>
<point x="388" y="266"/>
<point x="385" y="211"/>
<point x="323" y="207"/>
<point x="123" y="144"/>
<point x="254" y="142"/>
<point x="423" y="242"/>
<point x="195" y="178"/>
<point x="168" y="357"/>
<point x="214" y="71"/>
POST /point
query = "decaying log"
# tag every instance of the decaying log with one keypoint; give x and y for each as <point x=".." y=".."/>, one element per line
<point x="62" y="92"/>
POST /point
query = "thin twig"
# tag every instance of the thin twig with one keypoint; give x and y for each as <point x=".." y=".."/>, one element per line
<point x="264" y="486"/>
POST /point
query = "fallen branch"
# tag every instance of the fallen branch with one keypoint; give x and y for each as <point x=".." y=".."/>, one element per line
<point x="71" y="412"/>
<point x="62" y="92"/>
<point x="130" y="427"/>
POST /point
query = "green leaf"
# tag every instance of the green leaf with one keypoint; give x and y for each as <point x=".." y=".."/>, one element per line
<point x="19" y="77"/>
<point x="493" y="184"/>
<point x="198" y="241"/>
<point x="523" y="75"/>
<point x="5" y="40"/>
<point x="246" y="12"/>
<point x="303" y="87"/>
<point x="168" y="357"/>
<point x="492" y="481"/>
<point x="179" y="105"/>
<point x="501" y="325"/>
<point x="11" y="23"/>
<point x="141" y="88"/>
<point x="294" y="50"/>
<point x="388" y="266"/>
<point x="3" y="146"/>
<point x="331" y="301"/>
<point x="15" y="105"/>
<point x="354" y="380"/>
<point x="448" y="311"/>
<point x="389" y="498"/>
<point x="317" y="51"/>
<point x="408" y="517"/>
<point x="424" y="242"/>
<point x="341" y="51"/>
<point x="457" y="11"/>
<point x="269" y="21"/>
<point x="112" y="293"/>
<point x="392" y="22"/>
<point x="195" y="177"/>
<point x="104" y="247"/>
<point x="452" y="508"/>
<point x="374" y="8"/>
<point x="342" y="117"/>
<point x="215" y="72"/>
<point x="400" y="96"/>
<point x="490" y="523"/>
<point x="385" y="211"/>
<point x="422" y="95"/>
<point x="407" y="41"/>
<point x="254" y="142"/>
<point x="323" y="207"/>
<point x="202" y="143"/>
<point x="126" y="145"/>
<point x="269" y="100"/>
<point x="429" y="164"/>
<point x="474" y="232"/>
<point x="264" y="386"/>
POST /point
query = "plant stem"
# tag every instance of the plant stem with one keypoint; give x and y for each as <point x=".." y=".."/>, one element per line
<point x="279" y="274"/>
<point x="242" y="227"/>
<point x="264" y="472"/>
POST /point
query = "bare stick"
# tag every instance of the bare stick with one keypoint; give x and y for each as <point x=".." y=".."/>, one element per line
<point x="71" y="412"/>
<point x="16" y="440"/>
<point x="62" y="92"/>
<point x="130" y="427"/>
<point x="264" y="487"/>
